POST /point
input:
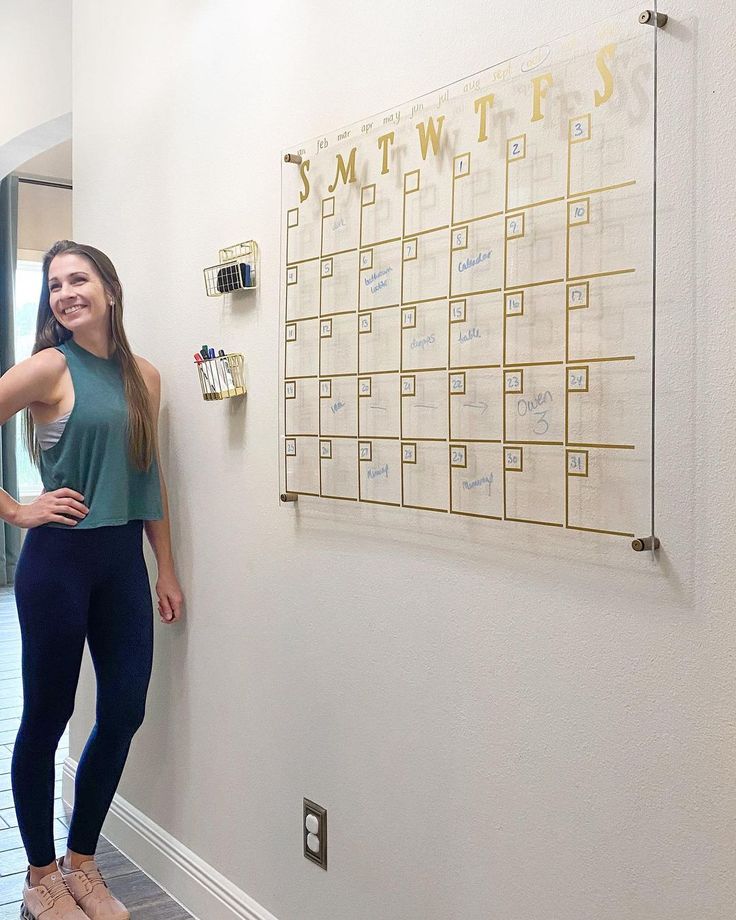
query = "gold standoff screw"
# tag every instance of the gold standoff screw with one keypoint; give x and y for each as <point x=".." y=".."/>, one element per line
<point x="647" y="18"/>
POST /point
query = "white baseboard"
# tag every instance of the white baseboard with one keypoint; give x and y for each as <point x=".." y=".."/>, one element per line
<point x="183" y="875"/>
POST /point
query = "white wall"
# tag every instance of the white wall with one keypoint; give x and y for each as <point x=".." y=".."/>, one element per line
<point x="35" y="76"/>
<point x="502" y="723"/>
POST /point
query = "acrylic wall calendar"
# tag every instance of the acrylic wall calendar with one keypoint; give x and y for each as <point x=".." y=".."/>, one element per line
<point x="467" y="294"/>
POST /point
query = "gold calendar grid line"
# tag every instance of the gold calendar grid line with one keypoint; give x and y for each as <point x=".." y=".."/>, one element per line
<point x="386" y="437"/>
<point x="365" y="373"/>
<point x="452" y="200"/>
<point x="602" y="188"/>
<point x="302" y="261"/>
<point x="599" y="360"/>
<point x="618" y="271"/>
<point x="531" y="521"/>
<point x="613" y="533"/>
<point x="425" y="232"/>
<point x="285" y="407"/>
<point x="473" y="367"/>
<point x="409" y="303"/>
<point x="319" y="343"/>
<point x="403" y="210"/>
<point x="373" y="244"/>
<point x="338" y="252"/>
<point x="478" y="440"/>
<point x="530" y="284"/>
<point x="448" y="321"/>
<point x="534" y="204"/>
<point x="567" y="321"/>
<point x="409" y="437"/>
<point x="360" y="246"/>
<point x="514" y="441"/>
<point x="389" y="306"/>
<point x="602" y="446"/>
<point x="505" y="318"/>
<point x="473" y="220"/>
<point x="461" y="294"/>
<point x="511" y="365"/>
<point x="511" y="288"/>
<point x="422" y="370"/>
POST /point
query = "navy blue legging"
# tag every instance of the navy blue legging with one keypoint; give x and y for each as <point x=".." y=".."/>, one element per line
<point x="70" y="585"/>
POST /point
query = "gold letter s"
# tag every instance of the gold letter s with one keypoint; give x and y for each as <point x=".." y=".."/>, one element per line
<point x="303" y="169"/>
<point x="600" y="62"/>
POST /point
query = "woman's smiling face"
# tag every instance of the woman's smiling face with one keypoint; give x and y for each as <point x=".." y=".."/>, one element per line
<point x="76" y="293"/>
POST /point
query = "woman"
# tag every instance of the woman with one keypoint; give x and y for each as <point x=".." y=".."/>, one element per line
<point x="90" y="424"/>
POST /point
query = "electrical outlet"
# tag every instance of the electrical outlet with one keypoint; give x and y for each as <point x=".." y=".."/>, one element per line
<point x="314" y="829"/>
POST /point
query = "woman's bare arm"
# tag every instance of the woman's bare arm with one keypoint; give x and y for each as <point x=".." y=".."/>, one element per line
<point x="159" y="532"/>
<point x="34" y="380"/>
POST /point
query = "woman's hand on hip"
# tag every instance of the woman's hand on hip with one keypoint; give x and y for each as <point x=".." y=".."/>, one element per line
<point x="62" y="506"/>
<point x="170" y="597"/>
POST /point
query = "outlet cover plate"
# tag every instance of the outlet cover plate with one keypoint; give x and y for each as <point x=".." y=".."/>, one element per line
<point x="312" y="808"/>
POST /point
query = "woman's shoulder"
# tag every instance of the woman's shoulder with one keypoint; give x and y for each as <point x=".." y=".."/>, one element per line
<point x="145" y="366"/>
<point x="50" y="353"/>
<point x="150" y="374"/>
<point x="47" y="361"/>
<point x="37" y="379"/>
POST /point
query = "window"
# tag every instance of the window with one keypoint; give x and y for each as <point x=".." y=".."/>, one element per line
<point x="27" y="294"/>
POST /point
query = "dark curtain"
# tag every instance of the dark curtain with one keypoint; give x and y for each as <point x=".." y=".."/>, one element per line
<point x="9" y="536"/>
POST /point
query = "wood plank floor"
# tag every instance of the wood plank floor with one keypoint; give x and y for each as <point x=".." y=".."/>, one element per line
<point x="140" y="894"/>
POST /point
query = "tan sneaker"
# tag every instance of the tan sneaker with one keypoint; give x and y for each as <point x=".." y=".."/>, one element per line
<point x="49" y="900"/>
<point x="91" y="893"/>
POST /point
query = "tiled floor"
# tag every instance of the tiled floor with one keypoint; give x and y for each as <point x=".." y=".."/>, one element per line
<point x="139" y="893"/>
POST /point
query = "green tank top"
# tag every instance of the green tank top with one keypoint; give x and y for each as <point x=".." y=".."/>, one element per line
<point x="91" y="456"/>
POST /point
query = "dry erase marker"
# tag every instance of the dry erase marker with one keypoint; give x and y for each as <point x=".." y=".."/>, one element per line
<point x="206" y="369"/>
<point x="198" y="359"/>
<point x="226" y="370"/>
<point x="214" y="372"/>
<point x="203" y="371"/>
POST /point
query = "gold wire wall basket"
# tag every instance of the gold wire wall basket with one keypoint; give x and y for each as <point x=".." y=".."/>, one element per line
<point x="221" y="377"/>
<point x="237" y="270"/>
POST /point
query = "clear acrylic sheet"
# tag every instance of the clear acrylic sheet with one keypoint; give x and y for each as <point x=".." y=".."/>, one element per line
<point x="468" y="291"/>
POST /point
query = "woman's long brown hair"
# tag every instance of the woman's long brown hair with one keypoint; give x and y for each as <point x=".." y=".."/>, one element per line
<point x="49" y="332"/>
